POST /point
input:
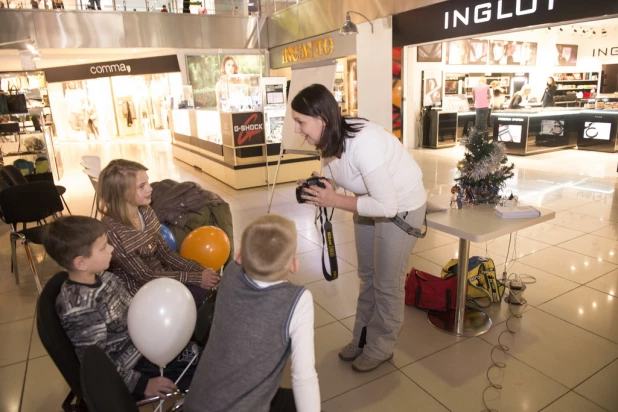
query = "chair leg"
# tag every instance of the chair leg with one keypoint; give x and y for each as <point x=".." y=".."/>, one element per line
<point x="66" y="204"/>
<point x="14" y="268"/>
<point x="32" y="264"/>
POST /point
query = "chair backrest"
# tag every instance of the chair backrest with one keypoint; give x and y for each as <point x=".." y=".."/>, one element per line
<point x="104" y="389"/>
<point x="30" y="202"/>
<point x="11" y="175"/>
<point x="93" y="163"/>
<point x="94" y="180"/>
<point x="53" y="337"/>
<point x="26" y="167"/>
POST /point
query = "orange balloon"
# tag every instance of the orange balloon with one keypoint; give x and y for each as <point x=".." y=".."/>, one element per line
<point x="207" y="245"/>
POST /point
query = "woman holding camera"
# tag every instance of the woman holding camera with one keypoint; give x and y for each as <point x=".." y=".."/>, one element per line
<point x="370" y="162"/>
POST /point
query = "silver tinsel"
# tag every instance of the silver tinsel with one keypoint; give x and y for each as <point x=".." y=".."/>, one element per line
<point x="489" y="164"/>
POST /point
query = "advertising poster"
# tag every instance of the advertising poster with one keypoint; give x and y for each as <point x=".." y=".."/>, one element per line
<point x="432" y="88"/>
<point x="566" y="55"/>
<point x="509" y="133"/>
<point x="205" y="73"/>
<point x="469" y="51"/>
<point x="429" y="53"/>
<point x="512" y="53"/>
<point x="597" y="131"/>
<point x="552" y="127"/>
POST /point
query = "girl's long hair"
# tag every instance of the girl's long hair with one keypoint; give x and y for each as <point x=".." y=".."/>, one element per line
<point x="116" y="188"/>
<point x="317" y="101"/>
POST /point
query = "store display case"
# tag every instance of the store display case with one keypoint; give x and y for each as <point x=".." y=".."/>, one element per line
<point x="28" y="134"/>
<point x="530" y="131"/>
<point x="598" y="130"/>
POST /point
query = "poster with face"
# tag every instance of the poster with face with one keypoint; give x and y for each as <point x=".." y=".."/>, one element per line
<point x="205" y="74"/>
<point x="566" y="55"/>
<point x="458" y="52"/>
<point x="429" y="53"/>
<point x="508" y="53"/>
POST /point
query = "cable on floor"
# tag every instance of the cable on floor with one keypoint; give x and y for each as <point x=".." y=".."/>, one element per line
<point x="514" y="299"/>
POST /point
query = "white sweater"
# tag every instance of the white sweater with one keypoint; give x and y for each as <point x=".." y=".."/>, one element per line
<point x="378" y="169"/>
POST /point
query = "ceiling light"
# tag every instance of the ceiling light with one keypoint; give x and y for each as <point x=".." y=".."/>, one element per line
<point x="350" y="28"/>
<point x="560" y="29"/>
<point x="603" y="32"/>
<point x="574" y="30"/>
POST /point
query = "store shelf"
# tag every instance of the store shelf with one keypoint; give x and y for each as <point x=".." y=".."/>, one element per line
<point x="578" y="81"/>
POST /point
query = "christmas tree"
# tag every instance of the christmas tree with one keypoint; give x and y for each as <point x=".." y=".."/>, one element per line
<point x="484" y="170"/>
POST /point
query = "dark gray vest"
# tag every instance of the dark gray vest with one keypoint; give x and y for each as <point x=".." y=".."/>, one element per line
<point x="248" y="347"/>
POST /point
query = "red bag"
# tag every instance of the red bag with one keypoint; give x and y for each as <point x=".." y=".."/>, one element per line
<point x="430" y="293"/>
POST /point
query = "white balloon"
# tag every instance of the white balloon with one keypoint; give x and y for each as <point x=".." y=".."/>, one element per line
<point x="161" y="319"/>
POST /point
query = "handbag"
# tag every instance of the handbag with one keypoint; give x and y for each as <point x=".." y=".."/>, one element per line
<point x="483" y="287"/>
<point x="430" y="293"/>
<point x="4" y="108"/>
<point x="16" y="102"/>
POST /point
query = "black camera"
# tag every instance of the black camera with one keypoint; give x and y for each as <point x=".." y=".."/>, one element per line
<point x="312" y="181"/>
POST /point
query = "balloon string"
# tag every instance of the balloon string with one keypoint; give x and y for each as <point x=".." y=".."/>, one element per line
<point x="160" y="407"/>
<point x="183" y="372"/>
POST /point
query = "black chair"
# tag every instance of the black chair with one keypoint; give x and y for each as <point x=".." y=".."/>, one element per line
<point x="11" y="175"/>
<point x="104" y="389"/>
<point x="57" y="343"/>
<point x="60" y="349"/>
<point x="30" y="202"/>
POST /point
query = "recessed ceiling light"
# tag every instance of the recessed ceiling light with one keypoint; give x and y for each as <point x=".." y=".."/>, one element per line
<point x="134" y="50"/>
<point x="80" y="60"/>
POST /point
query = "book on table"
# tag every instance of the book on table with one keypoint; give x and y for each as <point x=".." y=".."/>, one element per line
<point x="516" y="212"/>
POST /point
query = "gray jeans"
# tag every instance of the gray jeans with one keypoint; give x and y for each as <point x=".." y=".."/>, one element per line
<point x="383" y="251"/>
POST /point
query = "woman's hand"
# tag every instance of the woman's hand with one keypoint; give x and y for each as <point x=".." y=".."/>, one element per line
<point x="210" y="279"/>
<point x="321" y="197"/>
<point x="159" y="386"/>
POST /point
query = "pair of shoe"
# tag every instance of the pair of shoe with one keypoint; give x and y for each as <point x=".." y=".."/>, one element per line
<point x="360" y="362"/>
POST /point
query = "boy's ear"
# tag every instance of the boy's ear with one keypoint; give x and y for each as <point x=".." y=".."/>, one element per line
<point x="294" y="265"/>
<point x="237" y="256"/>
<point x="80" y="264"/>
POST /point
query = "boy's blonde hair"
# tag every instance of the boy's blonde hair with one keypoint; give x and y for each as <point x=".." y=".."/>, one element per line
<point x="268" y="246"/>
<point x="117" y="187"/>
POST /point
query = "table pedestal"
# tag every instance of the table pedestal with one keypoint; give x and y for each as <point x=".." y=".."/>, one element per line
<point x="463" y="321"/>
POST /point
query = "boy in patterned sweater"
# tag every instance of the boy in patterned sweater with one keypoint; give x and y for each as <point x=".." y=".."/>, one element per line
<point x="93" y="305"/>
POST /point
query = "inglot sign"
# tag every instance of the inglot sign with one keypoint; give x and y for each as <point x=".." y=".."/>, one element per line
<point x="465" y="18"/>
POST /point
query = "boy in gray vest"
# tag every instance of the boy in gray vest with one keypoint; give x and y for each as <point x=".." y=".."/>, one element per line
<point x="260" y="320"/>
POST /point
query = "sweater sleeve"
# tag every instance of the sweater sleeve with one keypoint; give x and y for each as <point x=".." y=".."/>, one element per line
<point x="132" y="264"/>
<point x="176" y="262"/>
<point x="304" y="377"/>
<point x="86" y="327"/>
<point x="381" y="200"/>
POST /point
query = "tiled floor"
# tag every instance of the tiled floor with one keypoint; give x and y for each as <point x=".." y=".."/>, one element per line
<point x="563" y="357"/>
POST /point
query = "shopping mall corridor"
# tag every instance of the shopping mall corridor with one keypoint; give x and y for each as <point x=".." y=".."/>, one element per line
<point x="563" y="357"/>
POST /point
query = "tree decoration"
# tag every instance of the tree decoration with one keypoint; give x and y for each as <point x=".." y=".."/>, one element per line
<point x="484" y="170"/>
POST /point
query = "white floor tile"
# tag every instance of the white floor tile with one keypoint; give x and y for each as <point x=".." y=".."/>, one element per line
<point x="403" y="395"/>
<point x="11" y="382"/>
<point x="550" y="233"/>
<point x="606" y="283"/>
<point x="572" y="402"/>
<point x="338" y="297"/>
<point x="15" y="341"/>
<point x="554" y="347"/>
<point x="310" y="267"/>
<point x="589" y="309"/>
<point x="45" y="388"/>
<point x="579" y="221"/>
<point x="594" y="246"/>
<point x="610" y="232"/>
<point x="567" y="264"/>
<point x="456" y="377"/>
<point x="601" y="388"/>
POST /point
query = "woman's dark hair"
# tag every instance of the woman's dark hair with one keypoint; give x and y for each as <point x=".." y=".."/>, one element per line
<point x="553" y="82"/>
<point x="317" y="101"/>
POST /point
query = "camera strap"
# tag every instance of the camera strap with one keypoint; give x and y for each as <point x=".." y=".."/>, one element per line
<point x="328" y="244"/>
<point x="403" y="225"/>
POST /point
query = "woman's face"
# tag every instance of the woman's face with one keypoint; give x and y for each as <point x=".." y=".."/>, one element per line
<point x="498" y="51"/>
<point x="143" y="190"/>
<point x="549" y="80"/>
<point x="230" y="67"/>
<point x="311" y="128"/>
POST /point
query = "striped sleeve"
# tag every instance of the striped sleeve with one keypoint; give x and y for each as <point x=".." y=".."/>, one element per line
<point x="86" y="327"/>
<point x="133" y="265"/>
